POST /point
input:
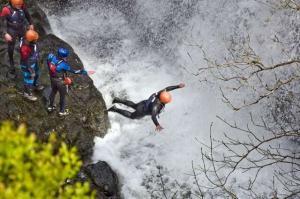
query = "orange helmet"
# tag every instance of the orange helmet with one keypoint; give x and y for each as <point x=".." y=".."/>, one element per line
<point x="165" y="97"/>
<point x="67" y="81"/>
<point x="17" y="2"/>
<point x="31" y="35"/>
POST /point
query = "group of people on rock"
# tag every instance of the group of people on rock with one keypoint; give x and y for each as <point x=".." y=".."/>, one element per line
<point x="20" y="27"/>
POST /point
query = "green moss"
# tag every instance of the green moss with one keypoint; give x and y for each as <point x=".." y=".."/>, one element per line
<point x="9" y="90"/>
<point x="30" y="169"/>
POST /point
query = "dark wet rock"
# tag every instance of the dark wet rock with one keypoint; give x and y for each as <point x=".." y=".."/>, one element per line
<point x="84" y="100"/>
<point x="102" y="178"/>
<point x="87" y="119"/>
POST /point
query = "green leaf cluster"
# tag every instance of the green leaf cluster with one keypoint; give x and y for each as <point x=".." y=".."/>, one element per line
<point x="31" y="169"/>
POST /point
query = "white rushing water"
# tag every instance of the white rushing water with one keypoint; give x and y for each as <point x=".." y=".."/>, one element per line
<point x="139" y="47"/>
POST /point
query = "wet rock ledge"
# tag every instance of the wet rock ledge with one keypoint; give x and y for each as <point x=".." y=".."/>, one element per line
<point x="87" y="119"/>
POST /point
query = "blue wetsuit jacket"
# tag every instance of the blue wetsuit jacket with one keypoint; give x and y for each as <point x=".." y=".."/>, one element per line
<point x="61" y="67"/>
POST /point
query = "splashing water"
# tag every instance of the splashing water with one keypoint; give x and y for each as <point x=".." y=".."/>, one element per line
<point x="139" y="47"/>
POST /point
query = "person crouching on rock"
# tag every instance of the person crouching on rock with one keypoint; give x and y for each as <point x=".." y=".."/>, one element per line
<point x="29" y="64"/>
<point x="16" y="14"/>
<point x="58" y="68"/>
<point x="152" y="106"/>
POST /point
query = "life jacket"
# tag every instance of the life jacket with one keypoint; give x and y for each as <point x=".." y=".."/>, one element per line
<point x="150" y="102"/>
<point x="16" y="18"/>
<point x="33" y="57"/>
<point x="63" y="75"/>
<point x="52" y="69"/>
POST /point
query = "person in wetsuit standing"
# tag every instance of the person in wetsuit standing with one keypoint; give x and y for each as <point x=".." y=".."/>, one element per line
<point x="16" y="14"/>
<point x="29" y="64"/>
<point x="58" y="68"/>
<point x="152" y="106"/>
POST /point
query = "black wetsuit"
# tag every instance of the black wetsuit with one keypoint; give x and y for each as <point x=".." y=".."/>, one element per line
<point x="16" y="27"/>
<point x="152" y="106"/>
<point x="57" y="85"/>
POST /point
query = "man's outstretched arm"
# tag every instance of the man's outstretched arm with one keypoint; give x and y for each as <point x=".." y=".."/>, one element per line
<point x="68" y="68"/>
<point x="170" y="88"/>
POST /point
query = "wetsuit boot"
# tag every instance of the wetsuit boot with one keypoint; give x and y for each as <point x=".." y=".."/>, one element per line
<point x="28" y="93"/>
<point x="29" y="96"/>
<point x="50" y="108"/>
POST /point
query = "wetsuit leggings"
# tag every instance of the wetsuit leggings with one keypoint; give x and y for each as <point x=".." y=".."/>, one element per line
<point x="140" y="110"/>
<point x="16" y="33"/>
<point x="58" y="85"/>
<point x="28" y="81"/>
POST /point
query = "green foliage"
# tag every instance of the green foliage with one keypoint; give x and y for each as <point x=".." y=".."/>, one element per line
<point x="29" y="169"/>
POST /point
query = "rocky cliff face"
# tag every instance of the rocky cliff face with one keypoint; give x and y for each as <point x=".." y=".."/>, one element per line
<point x="85" y="102"/>
<point x="88" y="117"/>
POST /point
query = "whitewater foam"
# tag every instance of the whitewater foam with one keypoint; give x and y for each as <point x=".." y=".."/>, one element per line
<point x="134" y="57"/>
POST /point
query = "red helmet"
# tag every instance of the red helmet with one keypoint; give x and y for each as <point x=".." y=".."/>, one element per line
<point x="31" y="35"/>
<point x="67" y="81"/>
<point x="165" y="97"/>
